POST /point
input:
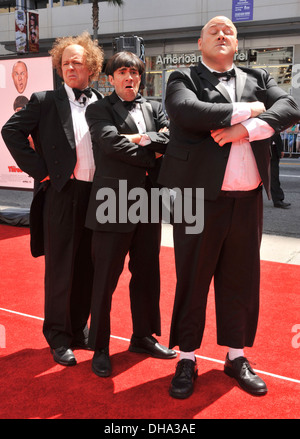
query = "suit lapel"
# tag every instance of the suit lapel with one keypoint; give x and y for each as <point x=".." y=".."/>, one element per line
<point x="240" y="82"/>
<point x="122" y="112"/>
<point x="64" y="111"/>
<point x="209" y="76"/>
<point x="223" y="90"/>
<point x="241" y="78"/>
<point x="148" y="116"/>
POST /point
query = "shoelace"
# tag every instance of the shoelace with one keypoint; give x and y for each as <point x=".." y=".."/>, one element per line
<point x="183" y="368"/>
<point x="245" y="366"/>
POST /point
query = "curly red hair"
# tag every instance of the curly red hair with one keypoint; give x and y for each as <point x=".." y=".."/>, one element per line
<point x="94" y="55"/>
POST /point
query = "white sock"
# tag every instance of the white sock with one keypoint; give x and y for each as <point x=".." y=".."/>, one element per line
<point x="187" y="356"/>
<point x="235" y="353"/>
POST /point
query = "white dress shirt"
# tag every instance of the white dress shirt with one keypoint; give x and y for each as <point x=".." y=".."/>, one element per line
<point x="138" y="117"/>
<point x="241" y="173"/>
<point x="85" y="165"/>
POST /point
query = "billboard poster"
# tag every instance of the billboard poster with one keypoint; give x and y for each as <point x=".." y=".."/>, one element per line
<point x="21" y="31"/>
<point x="33" y="32"/>
<point x="242" y="10"/>
<point x="19" y="78"/>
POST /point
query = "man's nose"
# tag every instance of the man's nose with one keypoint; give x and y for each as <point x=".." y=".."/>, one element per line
<point x="129" y="75"/>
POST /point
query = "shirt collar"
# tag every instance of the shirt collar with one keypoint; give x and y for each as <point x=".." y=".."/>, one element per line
<point x="214" y="70"/>
<point x="70" y="92"/>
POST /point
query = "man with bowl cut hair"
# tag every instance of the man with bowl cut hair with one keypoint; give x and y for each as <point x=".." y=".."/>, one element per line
<point x="129" y="135"/>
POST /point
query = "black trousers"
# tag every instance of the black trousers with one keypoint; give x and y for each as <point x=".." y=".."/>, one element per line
<point x="68" y="264"/>
<point x="109" y="251"/>
<point x="276" y="190"/>
<point x="227" y="251"/>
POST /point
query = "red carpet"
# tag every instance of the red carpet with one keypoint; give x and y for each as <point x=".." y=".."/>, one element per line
<point x="34" y="387"/>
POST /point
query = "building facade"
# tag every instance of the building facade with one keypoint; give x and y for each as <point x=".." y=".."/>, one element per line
<point x="268" y="33"/>
<point x="170" y="30"/>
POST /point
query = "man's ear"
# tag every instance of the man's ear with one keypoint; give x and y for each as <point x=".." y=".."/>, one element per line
<point x="111" y="80"/>
<point x="200" y="43"/>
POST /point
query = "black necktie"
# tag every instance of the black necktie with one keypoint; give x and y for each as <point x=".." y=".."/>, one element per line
<point x="87" y="91"/>
<point x="129" y="105"/>
<point x="227" y="75"/>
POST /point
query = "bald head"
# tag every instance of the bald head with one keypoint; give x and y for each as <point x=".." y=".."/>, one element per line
<point x="220" y="19"/>
<point x="218" y="43"/>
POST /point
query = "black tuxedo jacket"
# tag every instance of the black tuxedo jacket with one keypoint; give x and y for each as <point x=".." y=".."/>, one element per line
<point x="47" y="118"/>
<point x="197" y="102"/>
<point x="118" y="159"/>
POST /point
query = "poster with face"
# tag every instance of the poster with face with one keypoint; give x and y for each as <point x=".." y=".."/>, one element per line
<point x="33" y="32"/>
<point x="21" y="31"/>
<point x="19" y="78"/>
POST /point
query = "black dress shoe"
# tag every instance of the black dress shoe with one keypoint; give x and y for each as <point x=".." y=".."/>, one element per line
<point x="241" y="370"/>
<point x="150" y="346"/>
<point x="64" y="356"/>
<point x="101" y="365"/>
<point x="282" y="204"/>
<point x="182" y="384"/>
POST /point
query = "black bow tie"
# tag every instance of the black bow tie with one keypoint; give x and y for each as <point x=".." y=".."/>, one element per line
<point x="227" y="75"/>
<point x="129" y="105"/>
<point x="87" y="91"/>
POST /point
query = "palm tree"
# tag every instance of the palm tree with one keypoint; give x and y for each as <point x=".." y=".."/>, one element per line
<point x="96" y="13"/>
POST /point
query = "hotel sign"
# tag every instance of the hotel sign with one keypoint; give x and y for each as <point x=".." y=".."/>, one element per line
<point x="184" y="59"/>
<point x="172" y="59"/>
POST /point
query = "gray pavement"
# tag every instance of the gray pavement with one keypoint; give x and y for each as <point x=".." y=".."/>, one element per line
<point x="281" y="232"/>
<point x="274" y="248"/>
<point x="15" y="198"/>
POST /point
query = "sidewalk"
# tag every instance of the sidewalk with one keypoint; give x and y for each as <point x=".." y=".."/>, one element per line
<point x="274" y="248"/>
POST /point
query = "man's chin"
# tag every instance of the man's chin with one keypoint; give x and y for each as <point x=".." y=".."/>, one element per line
<point x="129" y="95"/>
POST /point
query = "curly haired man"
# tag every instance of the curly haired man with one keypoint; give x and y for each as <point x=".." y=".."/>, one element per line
<point x="62" y="166"/>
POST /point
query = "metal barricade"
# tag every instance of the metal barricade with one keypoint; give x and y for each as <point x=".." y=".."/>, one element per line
<point x="291" y="141"/>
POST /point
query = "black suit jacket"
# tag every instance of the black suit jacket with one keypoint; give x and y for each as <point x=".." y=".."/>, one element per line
<point x="47" y="118"/>
<point x="118" y="159"/>
<point x="197" y="102"/>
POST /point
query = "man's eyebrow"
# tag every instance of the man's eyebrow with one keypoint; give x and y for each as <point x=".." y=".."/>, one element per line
<point x="227" y="26"/>
<point x="130" y="68"/>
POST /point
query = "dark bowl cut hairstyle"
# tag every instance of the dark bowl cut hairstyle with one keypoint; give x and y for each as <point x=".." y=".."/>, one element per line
<point x="124" y="59"/>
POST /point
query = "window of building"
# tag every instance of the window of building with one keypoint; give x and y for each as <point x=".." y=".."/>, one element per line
<point x="7" y="6"/>
<point x="158" y="69"/>
<point x="277" y="61"/>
